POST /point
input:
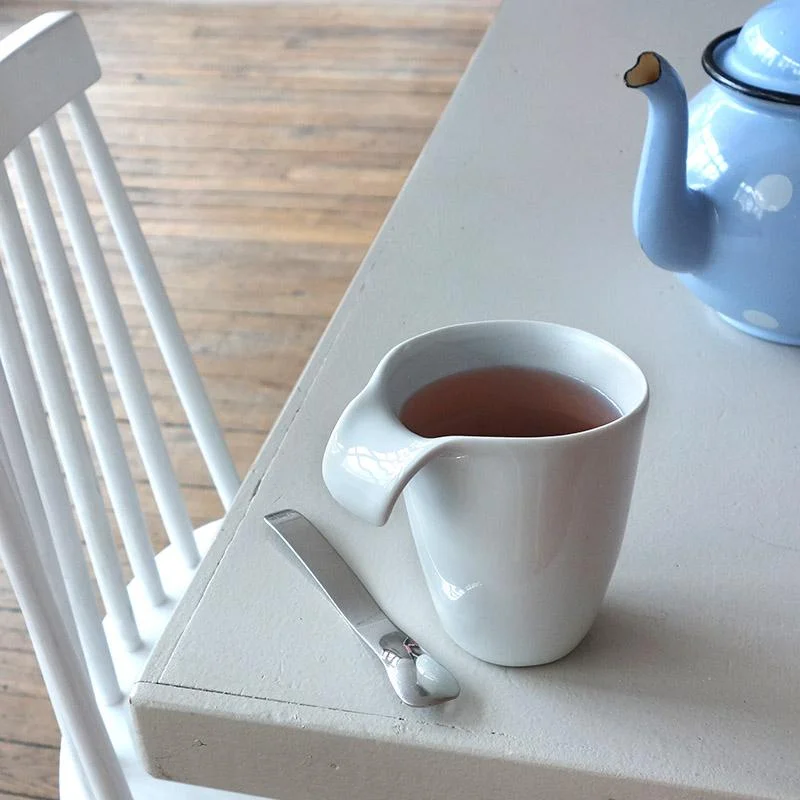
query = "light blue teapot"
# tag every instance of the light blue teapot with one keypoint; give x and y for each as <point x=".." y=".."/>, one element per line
<point x="718" y="194"/>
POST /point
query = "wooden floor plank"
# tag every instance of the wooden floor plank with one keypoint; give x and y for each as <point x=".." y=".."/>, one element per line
<point x="28" y="720"/>
<point x="262" y="146"/>
<point x="28" y="771"/>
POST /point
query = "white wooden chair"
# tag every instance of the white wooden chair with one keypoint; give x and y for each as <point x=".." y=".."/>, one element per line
<point x="46" y="466"/>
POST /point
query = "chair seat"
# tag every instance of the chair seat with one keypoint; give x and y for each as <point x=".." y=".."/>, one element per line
<point x="152" y="621"/>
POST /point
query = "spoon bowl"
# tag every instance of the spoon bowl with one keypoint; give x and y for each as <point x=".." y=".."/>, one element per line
<point x="417" y="677"/>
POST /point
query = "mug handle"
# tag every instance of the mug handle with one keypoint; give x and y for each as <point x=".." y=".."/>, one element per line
<point x="371" y="456"/>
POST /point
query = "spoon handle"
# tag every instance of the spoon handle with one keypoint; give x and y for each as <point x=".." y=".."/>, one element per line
<point x="339" y="583"/>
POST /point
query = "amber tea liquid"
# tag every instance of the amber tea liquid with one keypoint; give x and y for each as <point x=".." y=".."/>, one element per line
<point x="506" y="401"/>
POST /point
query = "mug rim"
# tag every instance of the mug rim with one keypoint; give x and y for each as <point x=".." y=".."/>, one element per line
<point x="385" y="365"/>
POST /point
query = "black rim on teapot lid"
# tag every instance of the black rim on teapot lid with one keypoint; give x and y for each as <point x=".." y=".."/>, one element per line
<point x="713" y="66"/>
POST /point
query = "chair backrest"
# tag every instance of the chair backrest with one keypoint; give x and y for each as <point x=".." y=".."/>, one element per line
<point x="25" y="547"/>
<point x="45" y="66"/>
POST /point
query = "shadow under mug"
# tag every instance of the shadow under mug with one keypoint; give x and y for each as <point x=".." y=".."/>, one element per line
<point x="517" y="537"/>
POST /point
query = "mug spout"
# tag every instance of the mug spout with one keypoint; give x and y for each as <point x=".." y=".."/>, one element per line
<point x="371" y="456"/>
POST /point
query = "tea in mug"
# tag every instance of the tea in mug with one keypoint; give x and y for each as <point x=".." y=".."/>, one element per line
<point x="507" y="401"/>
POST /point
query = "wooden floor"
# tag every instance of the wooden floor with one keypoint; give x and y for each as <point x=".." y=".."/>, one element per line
<point x="262" y="146"/>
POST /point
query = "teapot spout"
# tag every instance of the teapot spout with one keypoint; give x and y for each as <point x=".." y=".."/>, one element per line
<point x="672" y="222"/>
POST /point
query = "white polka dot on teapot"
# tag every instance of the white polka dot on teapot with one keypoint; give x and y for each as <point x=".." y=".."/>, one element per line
<point x="760" y="319"/>
<point x="773" y="192"/>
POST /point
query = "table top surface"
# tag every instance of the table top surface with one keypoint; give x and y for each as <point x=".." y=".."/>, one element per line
<point x="519" y="207"/>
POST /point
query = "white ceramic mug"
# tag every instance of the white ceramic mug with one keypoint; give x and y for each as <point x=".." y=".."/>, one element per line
<point x="517" y="537"/>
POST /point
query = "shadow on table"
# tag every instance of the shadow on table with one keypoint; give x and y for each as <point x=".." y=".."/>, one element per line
<point x="685" y="660"/>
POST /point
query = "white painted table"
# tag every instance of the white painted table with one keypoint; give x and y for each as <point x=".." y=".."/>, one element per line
<point x="688" y="685"/>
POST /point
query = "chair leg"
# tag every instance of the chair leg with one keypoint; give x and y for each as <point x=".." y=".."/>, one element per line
<point x="71" y="753"/>
<point x="64" y="675"/>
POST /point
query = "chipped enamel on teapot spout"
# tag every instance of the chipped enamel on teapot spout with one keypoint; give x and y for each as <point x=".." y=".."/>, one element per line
<point x="718" y="193"/>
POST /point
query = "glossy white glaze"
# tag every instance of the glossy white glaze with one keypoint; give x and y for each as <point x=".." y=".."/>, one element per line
<point x="517" y="537"/>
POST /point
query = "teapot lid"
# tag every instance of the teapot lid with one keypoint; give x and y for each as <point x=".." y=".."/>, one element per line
<point x="762" y="58"/>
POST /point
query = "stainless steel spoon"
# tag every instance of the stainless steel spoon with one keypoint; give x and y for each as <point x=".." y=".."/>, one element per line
<point x="417" y="677"/>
